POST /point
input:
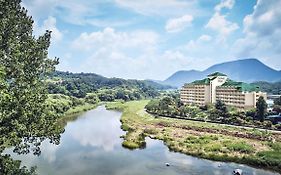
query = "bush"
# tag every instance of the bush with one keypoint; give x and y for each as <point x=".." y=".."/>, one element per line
<point x="130" y="145"/>
<point x="92" y="98"/>
<point x="251" y="112"/>
<point x="267" y="124"/>
<point x="249" y="118"/>
<point x="150" y="131"/>
<point x="278" y="126"/>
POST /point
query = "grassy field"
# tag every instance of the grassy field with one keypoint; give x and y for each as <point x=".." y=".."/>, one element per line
<point x="205" y="140"/>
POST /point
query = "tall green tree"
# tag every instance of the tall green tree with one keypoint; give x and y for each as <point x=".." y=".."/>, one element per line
<point x="261" y="108"/>
<point x="24" y="119"/>
<point x="277" y="101"/>
<point x="221" y="106"/>
<point x="221" y="112"/>
<point x="167" y="105"/>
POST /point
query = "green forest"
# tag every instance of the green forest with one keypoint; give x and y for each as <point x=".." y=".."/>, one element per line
<point x="270" y="88"/>
<point x="71" y="93"/>
<point x="108" y="89"/>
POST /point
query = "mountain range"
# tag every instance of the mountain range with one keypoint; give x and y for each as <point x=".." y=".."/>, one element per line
<point x="246" y="70"/>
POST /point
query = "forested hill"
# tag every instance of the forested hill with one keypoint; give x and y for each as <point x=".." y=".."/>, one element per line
<point x="79" y="84"/>
<point x="270" y="88"/>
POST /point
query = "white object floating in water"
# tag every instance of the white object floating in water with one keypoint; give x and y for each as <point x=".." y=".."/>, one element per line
<point x="167" y="164"/>
<point x="237" y="172"/>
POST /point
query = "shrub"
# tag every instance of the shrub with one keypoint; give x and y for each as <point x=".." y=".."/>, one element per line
<point x="92" y="98"/>
<point x="267" y="124"/>
<point x="150" y="131"/>
<point x="278" y="126"/>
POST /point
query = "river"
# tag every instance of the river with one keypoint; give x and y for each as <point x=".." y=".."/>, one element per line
<point x="91" y="145"/>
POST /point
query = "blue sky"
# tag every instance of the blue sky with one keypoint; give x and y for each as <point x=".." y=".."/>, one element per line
<point x="152" y="39"/>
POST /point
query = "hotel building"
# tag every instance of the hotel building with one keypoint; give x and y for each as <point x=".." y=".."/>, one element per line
<point x="218" y="87"/>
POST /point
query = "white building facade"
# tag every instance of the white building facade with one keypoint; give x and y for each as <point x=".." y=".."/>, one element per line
<point x="218" y="87"/>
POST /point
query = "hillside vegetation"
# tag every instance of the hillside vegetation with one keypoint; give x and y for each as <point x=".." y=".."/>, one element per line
<point x="108" y="89"/>
<point x="270" y="88"/>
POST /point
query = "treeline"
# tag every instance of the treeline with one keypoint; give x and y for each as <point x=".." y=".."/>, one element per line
<point x="107" y="89"/>
<point x="218" y="112"/>
<point x="61" y="105"/>
<point x="271" y="88"/>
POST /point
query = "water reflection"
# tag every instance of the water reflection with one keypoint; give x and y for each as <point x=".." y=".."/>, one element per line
<point x="92" y="145"/>
<point x="101" y="130"/>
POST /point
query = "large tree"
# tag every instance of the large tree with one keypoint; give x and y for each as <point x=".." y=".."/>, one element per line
<point x="277" y="101"/>
<point x="261" y="108"/>
<point x="24" y="119"/>
<point x="221" y="112"/>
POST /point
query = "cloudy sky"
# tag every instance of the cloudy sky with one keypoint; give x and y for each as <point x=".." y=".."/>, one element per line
<point x="151" y="39"/>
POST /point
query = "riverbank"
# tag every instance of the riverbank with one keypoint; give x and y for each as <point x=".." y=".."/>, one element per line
<point x="205" y="140"/>
<point x="74" y="112"/>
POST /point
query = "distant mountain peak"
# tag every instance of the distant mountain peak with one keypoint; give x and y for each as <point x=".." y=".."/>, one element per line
<point x="247" y="70"/>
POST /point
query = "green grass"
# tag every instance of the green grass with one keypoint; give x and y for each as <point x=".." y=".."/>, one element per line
<point x="130" y="145"/>
<point x="215" y="147"/>
<point x="241" y="147"/>
<point x="272" y="157"/>
<point x="201" y="139"/>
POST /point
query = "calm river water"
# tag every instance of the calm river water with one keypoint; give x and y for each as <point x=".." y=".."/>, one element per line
<point x="91" y="145"/>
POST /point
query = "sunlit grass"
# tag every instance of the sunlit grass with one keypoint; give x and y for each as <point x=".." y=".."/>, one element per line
<point x="201" y="139"/>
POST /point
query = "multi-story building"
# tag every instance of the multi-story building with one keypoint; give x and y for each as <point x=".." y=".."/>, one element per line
<point x="218" y="87"/>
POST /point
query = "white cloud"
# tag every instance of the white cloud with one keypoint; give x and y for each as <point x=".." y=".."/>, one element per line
<point x="225" y="4"/>
<point x="219" y="23"/>
<point x="40" y="9"/>
<point x="109" y="38"/>
<point x="204" y="38"/>
<point x="262" y="31"/>
<point x="49" y="24"/>
<point x="127" y="54"/>
<point x="130" y="53"/>
<point x="161" y="7"/>
<point x="71" y="11"/>
<point x="178" y="24"/>
<point x="265" y="19"/>
<point x="75" y="12"/>
<point x="205" y="51"/>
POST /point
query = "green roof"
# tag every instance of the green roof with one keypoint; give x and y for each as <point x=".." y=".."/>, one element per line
<point x="205" y="81"/>
<point x="241" y="86"/>
<point x="216" y="74"/>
